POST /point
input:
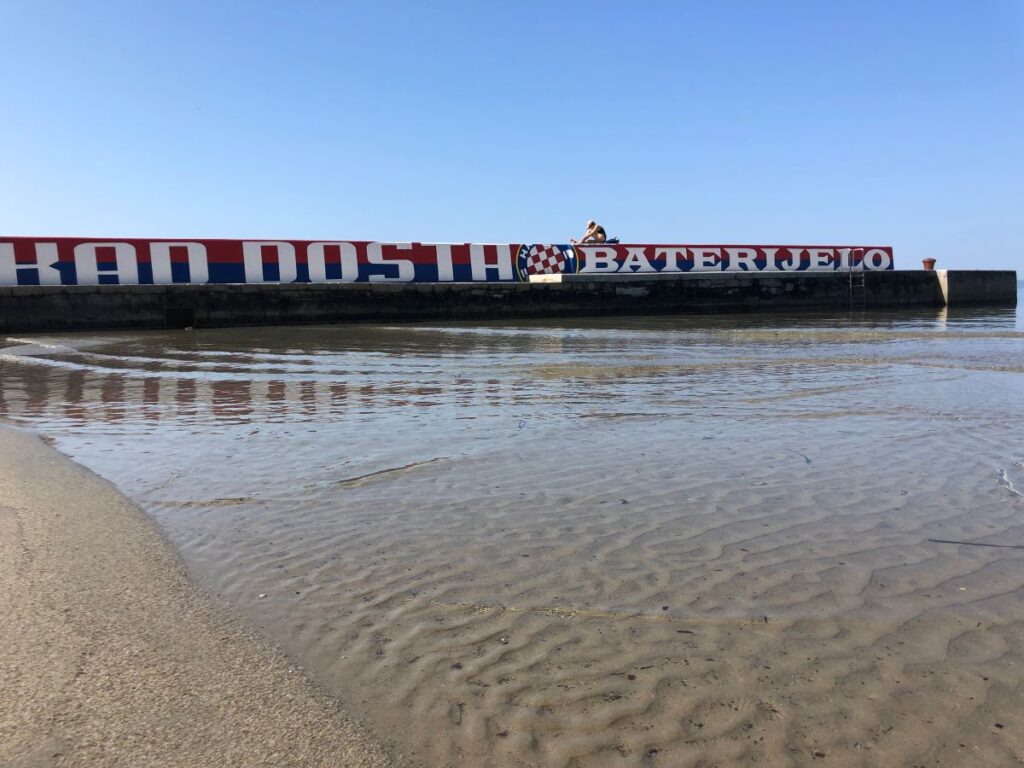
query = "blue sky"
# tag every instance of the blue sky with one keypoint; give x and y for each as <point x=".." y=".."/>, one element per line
<point x="873" y="123"/>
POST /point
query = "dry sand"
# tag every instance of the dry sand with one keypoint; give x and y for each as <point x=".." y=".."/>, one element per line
<point x="111" y="657"/>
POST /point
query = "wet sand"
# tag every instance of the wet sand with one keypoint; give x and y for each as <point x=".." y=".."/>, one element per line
<point x="112" y="658"/>
<point x="673" y="542"/>
<point x="574" y="616"/>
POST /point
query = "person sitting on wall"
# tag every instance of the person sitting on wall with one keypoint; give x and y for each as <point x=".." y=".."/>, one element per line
<point x="595" y="234"/>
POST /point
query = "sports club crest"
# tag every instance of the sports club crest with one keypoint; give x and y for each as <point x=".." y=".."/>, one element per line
<point x="537" y="259"/>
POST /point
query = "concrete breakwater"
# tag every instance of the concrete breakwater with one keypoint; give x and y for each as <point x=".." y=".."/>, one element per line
<point x="96" y="307"/>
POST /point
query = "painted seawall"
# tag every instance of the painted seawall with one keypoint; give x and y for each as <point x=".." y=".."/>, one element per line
<point x="62" y="308"/>
<point x="79" y="261"/>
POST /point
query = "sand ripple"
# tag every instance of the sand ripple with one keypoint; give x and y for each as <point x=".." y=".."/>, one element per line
<point x="569" y="614"/>
<point x="631" y="545"/>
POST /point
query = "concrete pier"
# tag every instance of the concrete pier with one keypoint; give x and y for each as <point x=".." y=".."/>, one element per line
<point x="976" y="287"/>
<point x="64" y="308"/>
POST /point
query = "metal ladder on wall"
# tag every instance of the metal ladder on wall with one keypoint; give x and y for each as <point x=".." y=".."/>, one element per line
<point x="858" y="288"/>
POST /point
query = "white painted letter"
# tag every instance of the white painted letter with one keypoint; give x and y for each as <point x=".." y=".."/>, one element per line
<point x="46" y="257"/>
<point x="87" y="266"/>
<point x="406" y="269"/>
<point x="671" y="256"/>
<point x="876" y="258"/>
<point x="445" y="271"/>
<point x="598" y="259"/>
<point x="822" y="258"/>
<point x="707" y="259"/>
<point x="479" y="266"/>
<point x="635" y="257"/>
<point x="741" y="260"/>
<point x="794" y="259"/>
<point x="316" y="260"/>
<point x="252" y="255"/>
<point x="160" y="260"/>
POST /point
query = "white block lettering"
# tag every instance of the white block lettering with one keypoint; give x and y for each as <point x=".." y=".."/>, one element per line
<point x="636" y="261"/>
<point x="46" y="257"/>
<point x="87" y="263"/>
<point x="316" y="260"/>
<point x="252" y="256"/>
<point x="406" y="270"/>
<point x="794" y="259"/>
<point x="598" y="259"/>
<point x="707" y="259"/>
<point x="479" y="266"/>
<point x="822" y="258"/>
<point x="741" y="260"/>
<point x="876" y="258"/>
<point x="671" y="256"/>
<point x="160" y="259"/>
<point x="445" y="271"/>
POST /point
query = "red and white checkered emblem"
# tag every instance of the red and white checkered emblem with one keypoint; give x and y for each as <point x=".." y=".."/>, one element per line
<point x="544" y="260"/>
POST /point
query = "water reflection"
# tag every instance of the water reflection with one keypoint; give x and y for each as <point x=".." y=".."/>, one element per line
<point x="306" y="374"/>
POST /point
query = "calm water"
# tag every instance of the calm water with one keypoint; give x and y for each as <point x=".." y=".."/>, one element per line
<point x="471" y="533"/>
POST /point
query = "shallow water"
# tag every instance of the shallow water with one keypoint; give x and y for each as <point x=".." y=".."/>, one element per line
<point x="631" y="541"/>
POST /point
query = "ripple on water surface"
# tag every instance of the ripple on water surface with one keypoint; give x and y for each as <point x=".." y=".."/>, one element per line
<point x="673" y="541"/>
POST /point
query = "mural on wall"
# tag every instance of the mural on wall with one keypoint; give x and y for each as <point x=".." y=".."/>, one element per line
<point x="78" y="261"/>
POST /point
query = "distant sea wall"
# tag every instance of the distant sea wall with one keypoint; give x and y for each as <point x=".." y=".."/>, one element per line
<point x="97" y="307"/>
<point x="119" y="261"/>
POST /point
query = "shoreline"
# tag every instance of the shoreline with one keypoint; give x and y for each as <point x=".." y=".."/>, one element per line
<point x="114" y="657"/>
<point x="657" y="542"/>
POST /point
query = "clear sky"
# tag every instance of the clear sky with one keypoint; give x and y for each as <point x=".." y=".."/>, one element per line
<point x="874" y="123"/>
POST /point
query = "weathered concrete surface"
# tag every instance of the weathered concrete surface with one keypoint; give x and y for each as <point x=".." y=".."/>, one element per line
<point x="975" y="287"/>
<point x="162" y="306"/>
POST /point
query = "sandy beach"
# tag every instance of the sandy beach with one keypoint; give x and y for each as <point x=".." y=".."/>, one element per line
<point x="112" y="658"/>
<point x="665" y="542"/>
